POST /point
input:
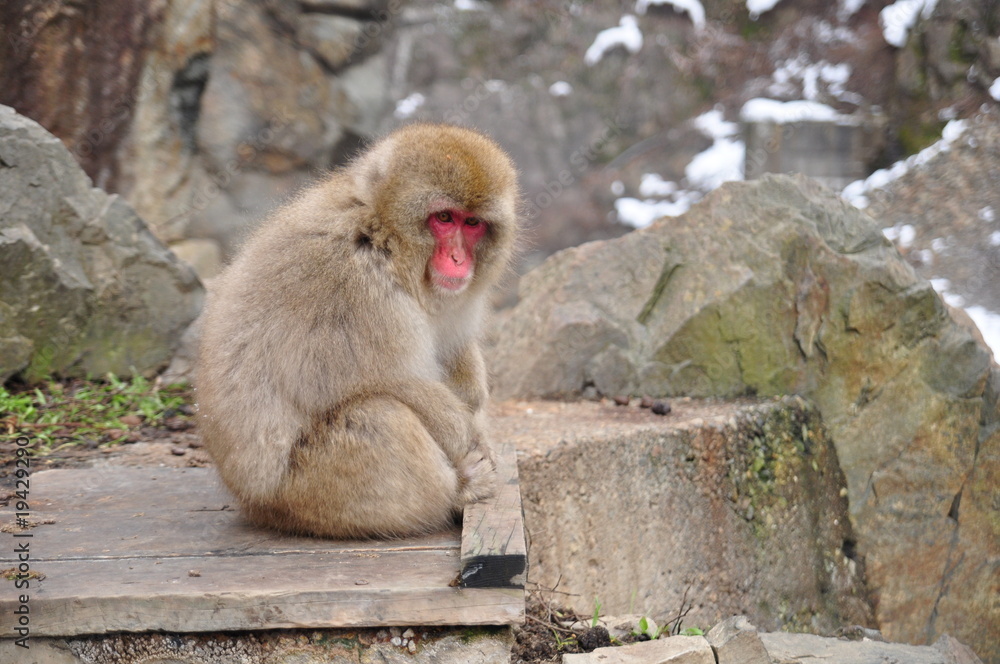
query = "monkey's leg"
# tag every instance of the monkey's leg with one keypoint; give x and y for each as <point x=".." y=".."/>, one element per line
<point x="371" y="469"/>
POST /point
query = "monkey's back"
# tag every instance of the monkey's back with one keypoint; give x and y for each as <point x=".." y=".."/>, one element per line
<point x="302" y="320"/>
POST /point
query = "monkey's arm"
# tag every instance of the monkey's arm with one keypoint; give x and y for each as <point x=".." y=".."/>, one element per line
<point x="466" y="376"/>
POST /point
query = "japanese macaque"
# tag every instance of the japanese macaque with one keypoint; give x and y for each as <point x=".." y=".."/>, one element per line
<point x="341" y="384"/>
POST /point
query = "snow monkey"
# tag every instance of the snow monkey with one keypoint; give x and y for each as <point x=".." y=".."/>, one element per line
<point x="341" y="384"/>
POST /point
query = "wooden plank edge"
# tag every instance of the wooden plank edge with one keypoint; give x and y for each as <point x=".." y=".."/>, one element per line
<point x="491" y="558"/>
<point x="229" y="612"/>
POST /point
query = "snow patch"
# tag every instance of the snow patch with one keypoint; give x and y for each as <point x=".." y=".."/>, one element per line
<point x="793" y="74"/>
<point x="849" y="8"/>
<point x="405" y="108"/>
<point x="758" y="7"/>
<point x="722" y="162"/>
<point x="988" y="214"/>
<point x="899" y="18"/>
<point x="560" y="89"/>
<point x="626" y="34"/>
<point x="639" y="214"/>
<point x="987" y="321"/>
<point x="713" y="124"/>
<point x="781" y="112"/>
<point x="857" y="192"/>
<point x="995" y="239"/>
<point x="902" y="235"/>
<point x="995" y="89"/>
<point x="693" y="8"/>
<point x="654" y="185"/>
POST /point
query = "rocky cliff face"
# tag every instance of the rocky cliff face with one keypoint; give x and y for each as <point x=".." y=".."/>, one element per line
<point x="204" y="113"/>
<point x="85" y="288"/>
<point x="201" y="113"/>
<point x="778" y="287"/>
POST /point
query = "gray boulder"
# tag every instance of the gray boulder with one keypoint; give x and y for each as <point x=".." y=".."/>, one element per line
<point x="779" y="287"/>
<point x="85" y="288"/>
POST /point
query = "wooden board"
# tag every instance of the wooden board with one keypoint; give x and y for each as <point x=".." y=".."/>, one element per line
<point x="147" y="549"/>
<point x="494" y="552"/>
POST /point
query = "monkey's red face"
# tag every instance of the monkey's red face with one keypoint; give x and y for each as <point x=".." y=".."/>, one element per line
<point x="456" y="234"/>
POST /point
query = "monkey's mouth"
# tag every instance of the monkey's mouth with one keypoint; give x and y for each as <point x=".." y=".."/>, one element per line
<point x="450" y="284"/>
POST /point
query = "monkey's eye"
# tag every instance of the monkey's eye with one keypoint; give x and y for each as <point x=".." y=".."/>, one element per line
<point x="444" y="217"/>
<point x="473" y="221"/>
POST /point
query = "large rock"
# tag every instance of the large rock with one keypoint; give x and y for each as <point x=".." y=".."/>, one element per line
<point x="779" y="287"/>
<point x="85" y="288"/>
<point x="731" y="507"/>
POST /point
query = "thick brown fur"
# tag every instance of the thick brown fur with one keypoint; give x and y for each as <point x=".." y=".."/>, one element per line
<point x="340" y="394"/>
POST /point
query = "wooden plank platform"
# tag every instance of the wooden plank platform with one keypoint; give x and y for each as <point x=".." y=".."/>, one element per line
<point x="158" y="549"/>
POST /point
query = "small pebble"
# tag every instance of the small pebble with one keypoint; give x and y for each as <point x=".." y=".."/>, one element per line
<point x="178" y="424"/>
<point x="193" y="572"/>
<point x="412" y="647"/>
<point x="409" y="634"/>
<point x="186" y="409"/>
<point x="622" y="400"/>
<point x="396" y="641"/>
<point x="661" y="407"/>
<point x="361" y="582"/>
<point x="178" y="451"/>
<point x="130" y="420"/>
<point x="647" y="402"/>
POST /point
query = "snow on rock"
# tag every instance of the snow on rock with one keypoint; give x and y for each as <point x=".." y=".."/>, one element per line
<point x="902" y="235"/>
<point x="654" y="185"/>
<point x="713" y="124"/>
<point x="758" y="7"/>
<point x="723" y="161"/>
<point x="639" y="213"/>
<point x="693" y="8"/>
<point x="849" y="8"/>
<point x="995" y="89"/>
<point x="560" y="89"/>
<point x="899" y="18"/>
<point x="857" y="192"/>
<point x="626" y="34"/>
<point x="407" y="107"/>
<point x="987" y="321"/>
<point x="781" y="112"/>
<point x="792" y="73"/>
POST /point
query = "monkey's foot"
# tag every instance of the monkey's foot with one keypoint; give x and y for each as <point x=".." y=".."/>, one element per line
<point x="477" y="475"/>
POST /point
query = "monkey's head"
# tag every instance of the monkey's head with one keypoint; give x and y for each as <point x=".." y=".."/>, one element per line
<point x="445" y="198"/>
